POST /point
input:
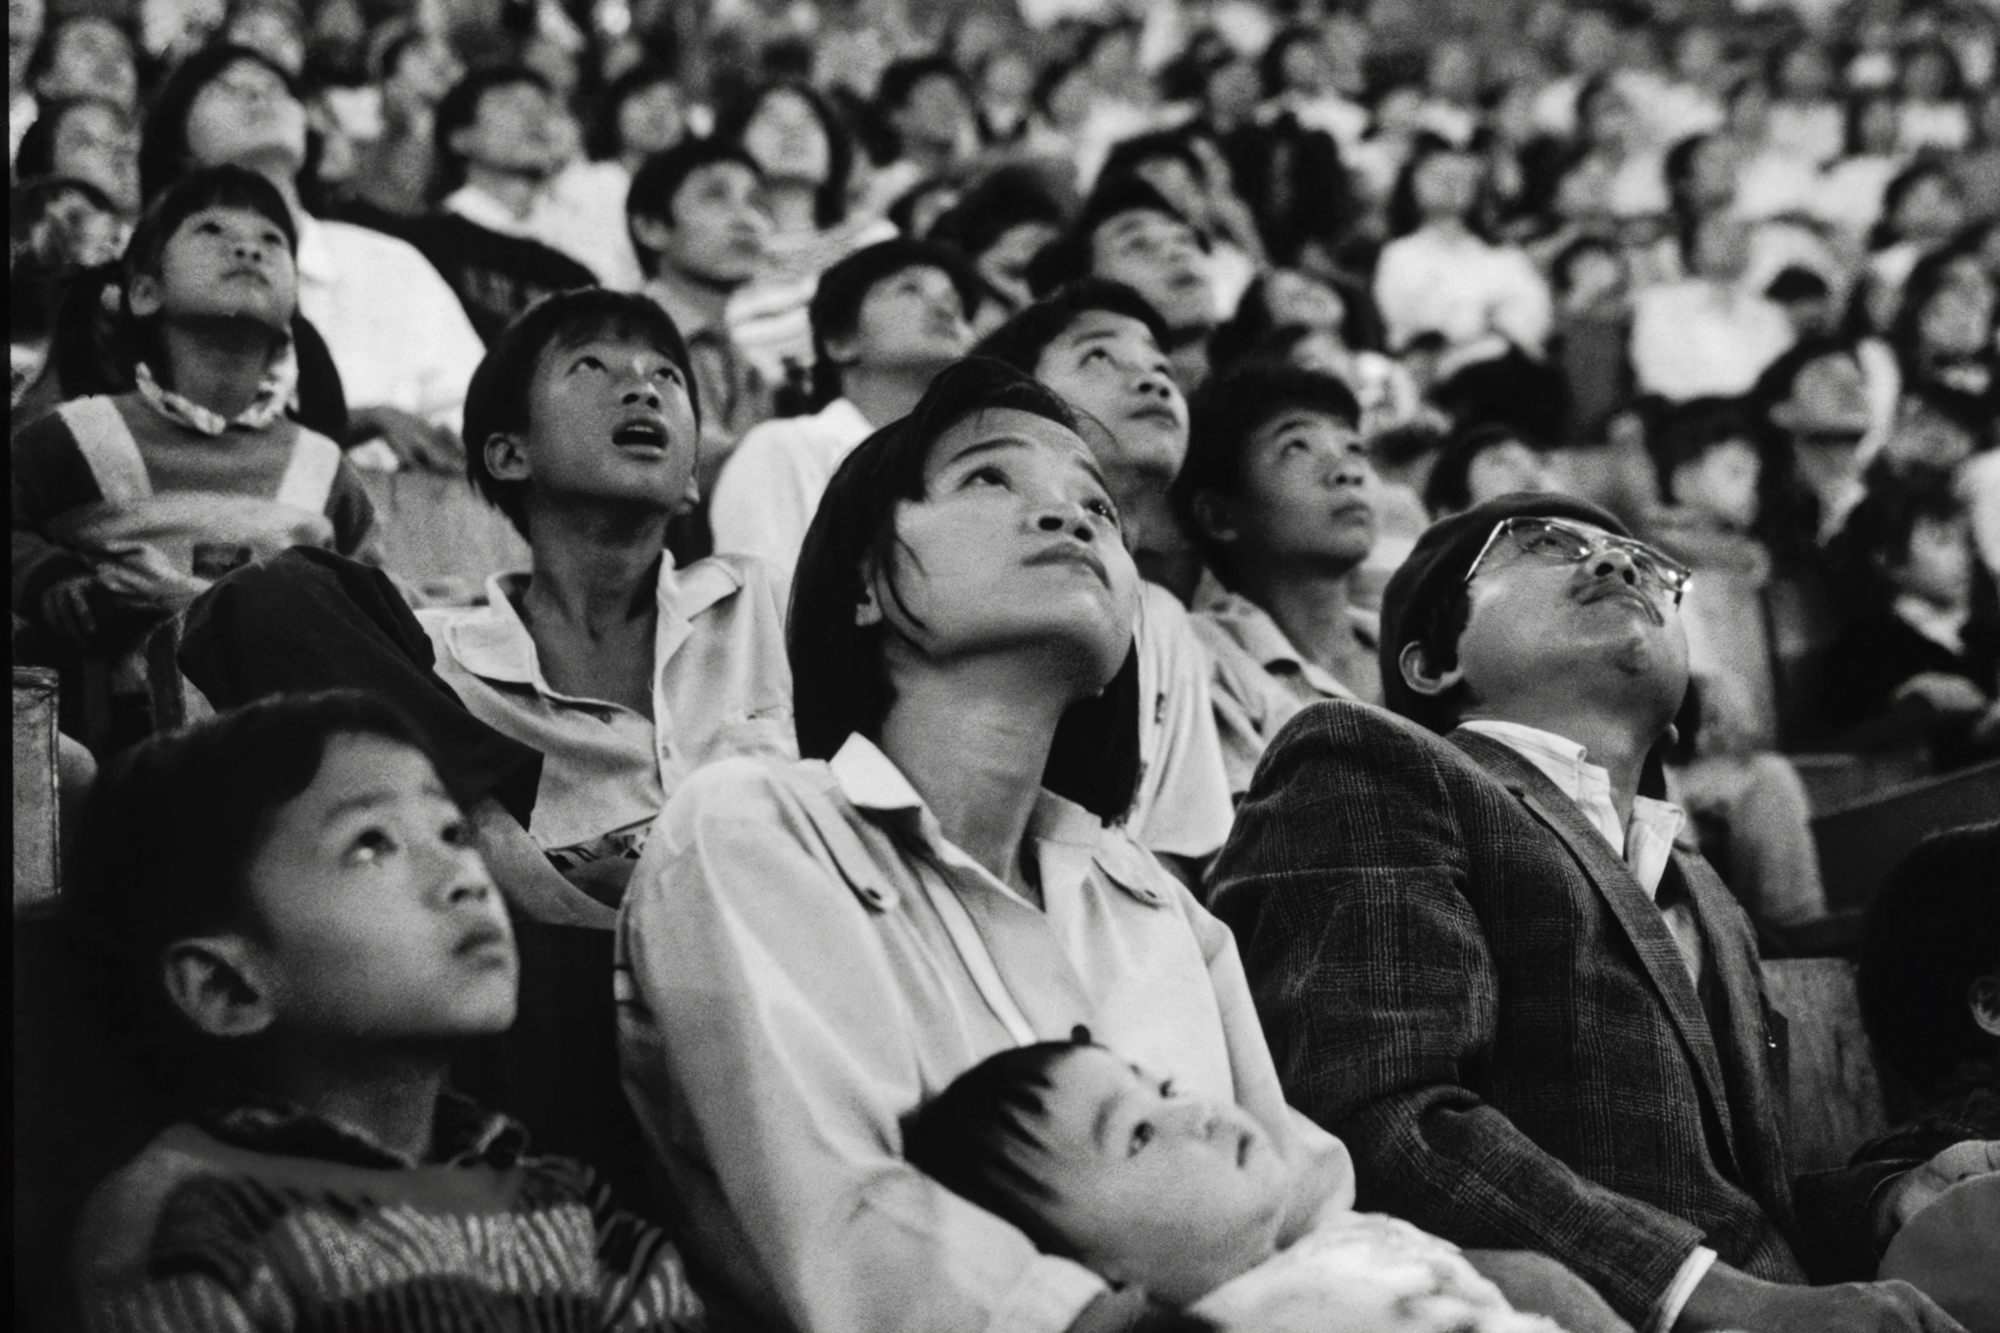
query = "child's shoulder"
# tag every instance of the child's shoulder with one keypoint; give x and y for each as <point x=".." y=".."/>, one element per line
<point x="120" y="1225"/>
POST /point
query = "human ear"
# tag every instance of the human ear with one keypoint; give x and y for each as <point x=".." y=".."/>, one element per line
<point x="142" y="296"/>
<point x="507" y="456"/>
<point x="844" y="349"/>
<point x="1212" y="514"/>
<point x="868" y="610"/>
<point x="652" y="233"/>
<point x="1417" y="673"/>
<point x="1983" y="998"/>
<point x="216" y="982"/>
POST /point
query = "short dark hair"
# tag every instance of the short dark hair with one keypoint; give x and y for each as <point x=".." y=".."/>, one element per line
<point x="840" y="685"/>
<point x="37" y="155"/>
<point x="1226" y="412"/>
<point x="1021" y="341"/>
<point x="173" y="825"/>
<point x="1902" y="187"/>
<point x="1449" y="487"/>
<point x="900" y="79"/>
<point x="1070" y="257"/>
<point x="1405" y="215"/>
<point x="830" y="203"/>
<point x="971" y="1137"/>
<point x="658" y="183"/>
<point x="459" y="109"/>
<point x="1932" y="929"/>
<point x="210" y="187"/>
<point x="1775" y="384"/>
<point x="1005" y="198"/>
<point x="843" y="289"/>
<point x="496" y="400"/>
<point x="163" y="148"/>
<point x="1128" y="155"/>
<point x="1795" y="282"/>
<point x="604" y="135"/>
<point x="1426" y="603"/>
<point x="1563" y="269"/>
<point x="1271" y="65"/>
<point x="1687" y="431"/>
<point x="1875" y="536"/>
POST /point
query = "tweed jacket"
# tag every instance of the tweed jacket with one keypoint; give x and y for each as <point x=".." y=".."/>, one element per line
<point x="1461" y="979"/>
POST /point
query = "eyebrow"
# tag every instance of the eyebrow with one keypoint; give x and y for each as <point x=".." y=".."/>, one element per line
<point x="1000" y="442"/>
<point x="378" y="796"/>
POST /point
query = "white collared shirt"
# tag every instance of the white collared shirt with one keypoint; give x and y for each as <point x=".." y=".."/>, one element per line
<point x="1457" y="285"/>
<point x="1696" y="338"/>
<point x="1646" y="845"/>
<point x="721" y="686"/>
<point x="771" y="486"/>
<point x="804" y="958"/>
<point x="395" y="328"/>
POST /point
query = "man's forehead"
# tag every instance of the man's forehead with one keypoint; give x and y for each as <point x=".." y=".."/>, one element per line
<point x="1094" y="326"/>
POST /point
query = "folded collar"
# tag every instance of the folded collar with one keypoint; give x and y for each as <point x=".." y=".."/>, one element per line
<point x="463" y="1133"/>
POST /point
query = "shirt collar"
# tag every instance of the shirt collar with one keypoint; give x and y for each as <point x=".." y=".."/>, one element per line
<point x="463" y="1133"/>
<point x="277" y="391"/>
<point x="870" y="780"/>
<point x="844" y="417"/>
<point x="493" y="643"/>
<point x="1257" y="634"/>
<point x="483" y="210"/>
<point x="1645" y="844"/>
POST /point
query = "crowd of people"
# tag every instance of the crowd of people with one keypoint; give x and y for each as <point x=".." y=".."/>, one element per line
<point x="1185" y="647"/>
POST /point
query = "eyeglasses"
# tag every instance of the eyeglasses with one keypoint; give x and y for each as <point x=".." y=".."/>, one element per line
<point x="1553" y="541"/>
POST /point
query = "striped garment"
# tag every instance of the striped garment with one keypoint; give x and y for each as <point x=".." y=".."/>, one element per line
<point x="263" y="1217"/>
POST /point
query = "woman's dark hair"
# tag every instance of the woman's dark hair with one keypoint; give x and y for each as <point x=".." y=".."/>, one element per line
<point x="1689" y="430"/>
<point x="972" y="1137"/>
<point x="459" y="109"/>
<point x="1003" y="199"/>
<point x="830" y="201"/>
<point x="1933" y="929"/>
<point x="900" y="80"/>
<point x="1954" y="72"/>
<point x="163" y="151"/>
<point x="1449" y="488"/>
<point x="835" y="309"/>
<point x="1021" y="341"/>
<point x="174" y="824"/>
<point x="1874" y="540"/>
<point x="497" y="399"/>
<point x="1884" y="233"/>
<point x="1404" y="213"/>
<point x="840" y="683"/>
<point x="1127" y="156"/>
<point x="37" y="156"/>
<point x="1225" y="413"/>
<point x="1931" y="275"/>
<point x="603" y="140"/>
<point x="1271" y="65"/>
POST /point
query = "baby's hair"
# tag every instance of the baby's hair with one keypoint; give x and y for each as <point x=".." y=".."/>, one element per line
<point x="977" y="1137"/>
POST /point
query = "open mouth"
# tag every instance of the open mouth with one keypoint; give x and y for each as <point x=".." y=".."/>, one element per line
<point x="648" y="437"/>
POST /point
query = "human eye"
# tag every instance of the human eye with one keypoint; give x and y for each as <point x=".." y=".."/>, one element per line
<point x="987" y="474"/>
<point x="1294" y="444"/>
<point x="669" y="372"/>
<point x="370" y="846"/>
<point x="456" y="832"/>
<point x="1142" y="1134"/>
<point x="1167" y="1088"/>
<point x="1103" y="508"/>
<point x="587" y="361"/>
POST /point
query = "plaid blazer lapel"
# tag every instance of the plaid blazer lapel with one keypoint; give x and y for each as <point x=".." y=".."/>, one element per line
<point x="1629" y="904"/>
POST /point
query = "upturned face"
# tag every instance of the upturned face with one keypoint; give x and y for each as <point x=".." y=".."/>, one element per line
<point x="1108" y="366"/>
<point x="222" y="263"/>
<point x="788" y="141"/>
<point x="914" y="319"/>
<point x="1014" y="548"/>
<point x="610" y="423"/>
<point x="719" y="225"/>
<point x="1307" y="496"/>
<point x="246" y="115"/>
<point x="1161" y="258"/>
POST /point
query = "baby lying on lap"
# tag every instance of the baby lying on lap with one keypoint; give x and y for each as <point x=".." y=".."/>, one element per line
<point x="1097" y="1160"/>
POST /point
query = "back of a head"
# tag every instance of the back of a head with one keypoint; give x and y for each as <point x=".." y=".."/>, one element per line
<point x="174" y="824"/>
<point x="1933" y="931"/>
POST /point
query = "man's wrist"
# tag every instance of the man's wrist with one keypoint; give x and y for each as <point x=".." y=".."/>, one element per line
<point x="1724" y="1298"/>
<point x="1693" y="1269"/>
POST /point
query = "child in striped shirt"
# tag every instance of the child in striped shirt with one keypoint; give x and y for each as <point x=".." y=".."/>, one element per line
<point x="289" y="901"/>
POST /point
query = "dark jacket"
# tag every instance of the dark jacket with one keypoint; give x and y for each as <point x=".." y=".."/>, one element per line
<point x="1464" y="982"/>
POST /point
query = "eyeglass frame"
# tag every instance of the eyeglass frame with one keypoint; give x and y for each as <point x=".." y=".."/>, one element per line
<point x="1677" y="575"/>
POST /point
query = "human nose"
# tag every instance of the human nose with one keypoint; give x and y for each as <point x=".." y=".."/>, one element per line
<point x="461" y="874"/>
<point x="1612" y="562"/>
<point x="640" y="387"/>
<point x="1152" y="382"/>
<point x="1059" y="515"/>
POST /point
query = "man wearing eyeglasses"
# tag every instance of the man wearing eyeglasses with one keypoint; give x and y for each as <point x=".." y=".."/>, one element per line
<point x="1487" y="956"/>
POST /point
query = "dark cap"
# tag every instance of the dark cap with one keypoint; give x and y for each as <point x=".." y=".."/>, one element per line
<point x="1436" y="569"/>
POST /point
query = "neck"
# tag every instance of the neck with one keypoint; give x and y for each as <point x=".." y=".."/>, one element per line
<point x="594" y="570"/>
<point x="218" y="364"/>
<point x="390" y="1097"/>
<point x="973" y="739"/>
<point x="791" y="204"/>
<point x="694" y="302"/>
<point x="884" y="394"/>
<point x="1450" y="225"/>
<point x="514" y="190"/>
<point x="1608" y="735"/>
<point x="1310" y="604"/>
